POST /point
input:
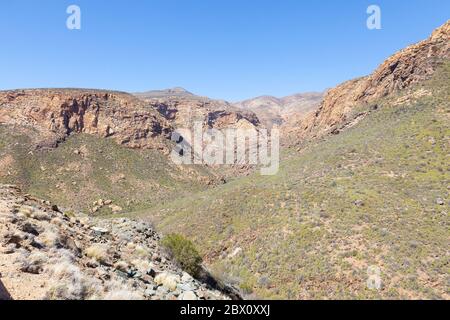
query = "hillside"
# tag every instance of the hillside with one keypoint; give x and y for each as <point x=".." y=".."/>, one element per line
<point x="75" y="147"/>
<point x="377" y="194"/>
<point x="364" y="185"/>
<point x="49" y="254"/>
<point x="411" y="65"/>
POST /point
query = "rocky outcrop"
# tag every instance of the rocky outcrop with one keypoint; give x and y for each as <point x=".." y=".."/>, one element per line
<point x="182" y="109"/>
<point x="282" y="111"/>
<point x="405" y="68"/>
<point x="57" y="113"/>
<point x="49" y="254"/>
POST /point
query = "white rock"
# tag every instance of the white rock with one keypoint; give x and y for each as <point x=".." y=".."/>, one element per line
<point x="100" y="230"/>
<point x="188" y="295"/>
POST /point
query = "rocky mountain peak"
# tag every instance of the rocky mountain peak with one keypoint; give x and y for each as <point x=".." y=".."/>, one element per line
<point x="400" y="71"/>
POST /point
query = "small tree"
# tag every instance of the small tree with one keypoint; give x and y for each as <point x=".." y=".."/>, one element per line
<point x="184" y="253"/>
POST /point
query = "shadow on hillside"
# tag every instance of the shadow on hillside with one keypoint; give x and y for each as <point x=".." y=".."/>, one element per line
<point x="206" y="277"/>
<point x="4" y="294"/>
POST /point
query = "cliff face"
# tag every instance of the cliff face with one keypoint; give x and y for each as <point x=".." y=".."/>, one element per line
<point x="405" y="68"/>
<point x="182" y="108"/>
<point x="282" y="111"/>
<point x="58" y="113"/>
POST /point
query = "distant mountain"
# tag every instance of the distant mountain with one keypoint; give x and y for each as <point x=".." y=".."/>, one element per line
<point x="181" y="108"/>
<point x="173" y="92"/>
<point x="272" y="110"/>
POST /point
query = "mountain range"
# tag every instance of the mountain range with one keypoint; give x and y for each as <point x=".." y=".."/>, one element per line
<point x="363" y="185"/>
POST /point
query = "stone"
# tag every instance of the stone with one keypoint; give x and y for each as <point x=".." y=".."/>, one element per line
<point x="115" y="209"/>
<point x="359" y="203"/>
<point x="186" y="287"/>
<point x="186" y="277"/>
<point x="100" y="231"/>
<point x="151" y="272"/>
<point x="30" y="228"/>
<point x="188" y="295"/>
<point x="149" y="293"/>
<point x="9" y="249"/>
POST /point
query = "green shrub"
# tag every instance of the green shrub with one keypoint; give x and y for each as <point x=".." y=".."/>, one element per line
<point x="184" y="253"/>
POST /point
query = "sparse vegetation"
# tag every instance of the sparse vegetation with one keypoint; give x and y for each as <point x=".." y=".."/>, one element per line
<point x="371" y="195"/>
<point x="184" y="252"/>
<point x="99" y="252"/>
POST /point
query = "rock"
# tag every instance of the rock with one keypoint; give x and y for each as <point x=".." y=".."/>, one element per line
<point x="92" y="264"/>
<point x="9" y="249"/>
<point x="236" y="252"/>
<point x="95" y="261"/>
<point x="30" y="228"/>
<point x="186" y="277"/>
<point x="14" y="238"/>
<point x="100" y="231"/>
<point x="440" y="201"/>
<point x="115" y="209"/>
<point x="186" y="287"/>
<point x="156" y="257"/>
<point x="359" y="203"/>
<point x="151" y="272"/>
<point x="149" y="293"/>
<point x="70" y="244"/>
<point x="188" y="295"/>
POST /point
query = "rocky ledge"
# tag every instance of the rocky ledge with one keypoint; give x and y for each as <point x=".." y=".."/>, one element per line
<point x="46" y="253"/>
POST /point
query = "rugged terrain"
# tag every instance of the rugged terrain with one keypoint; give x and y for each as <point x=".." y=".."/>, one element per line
<point x="368" y="188"/>
<point x="403" y="69"/>
<point x="182" y="108"/>
<point x="49" y="254"/>
<point x="76" y="146"/>
<point x="55" y="114"/>
<point x="363" y="186"/>
<point x="285" y="111"/>
<point x="376" y="194"/>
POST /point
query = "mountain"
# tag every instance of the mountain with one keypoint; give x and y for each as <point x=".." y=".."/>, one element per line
<point x="362" y="191"/>
<point x="281" y="111"/>
<point x="367" y="194"/>
<point x="405" y="68"/>
<point x="183" y="111"/>
<point x="58" y="113"/>
<point x="74" y="147"/>
<point x="181" y="108"/>
<point x="165" y="93"/>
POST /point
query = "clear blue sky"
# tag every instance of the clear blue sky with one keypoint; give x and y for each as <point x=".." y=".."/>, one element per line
<point x="230" y="49"/>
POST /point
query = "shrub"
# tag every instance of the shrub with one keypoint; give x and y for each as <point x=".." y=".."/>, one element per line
<point x="184" y="253"/>
<point x="99" y="252"/>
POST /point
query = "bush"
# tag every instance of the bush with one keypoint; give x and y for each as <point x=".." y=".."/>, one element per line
<point x="184" y="253"/>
